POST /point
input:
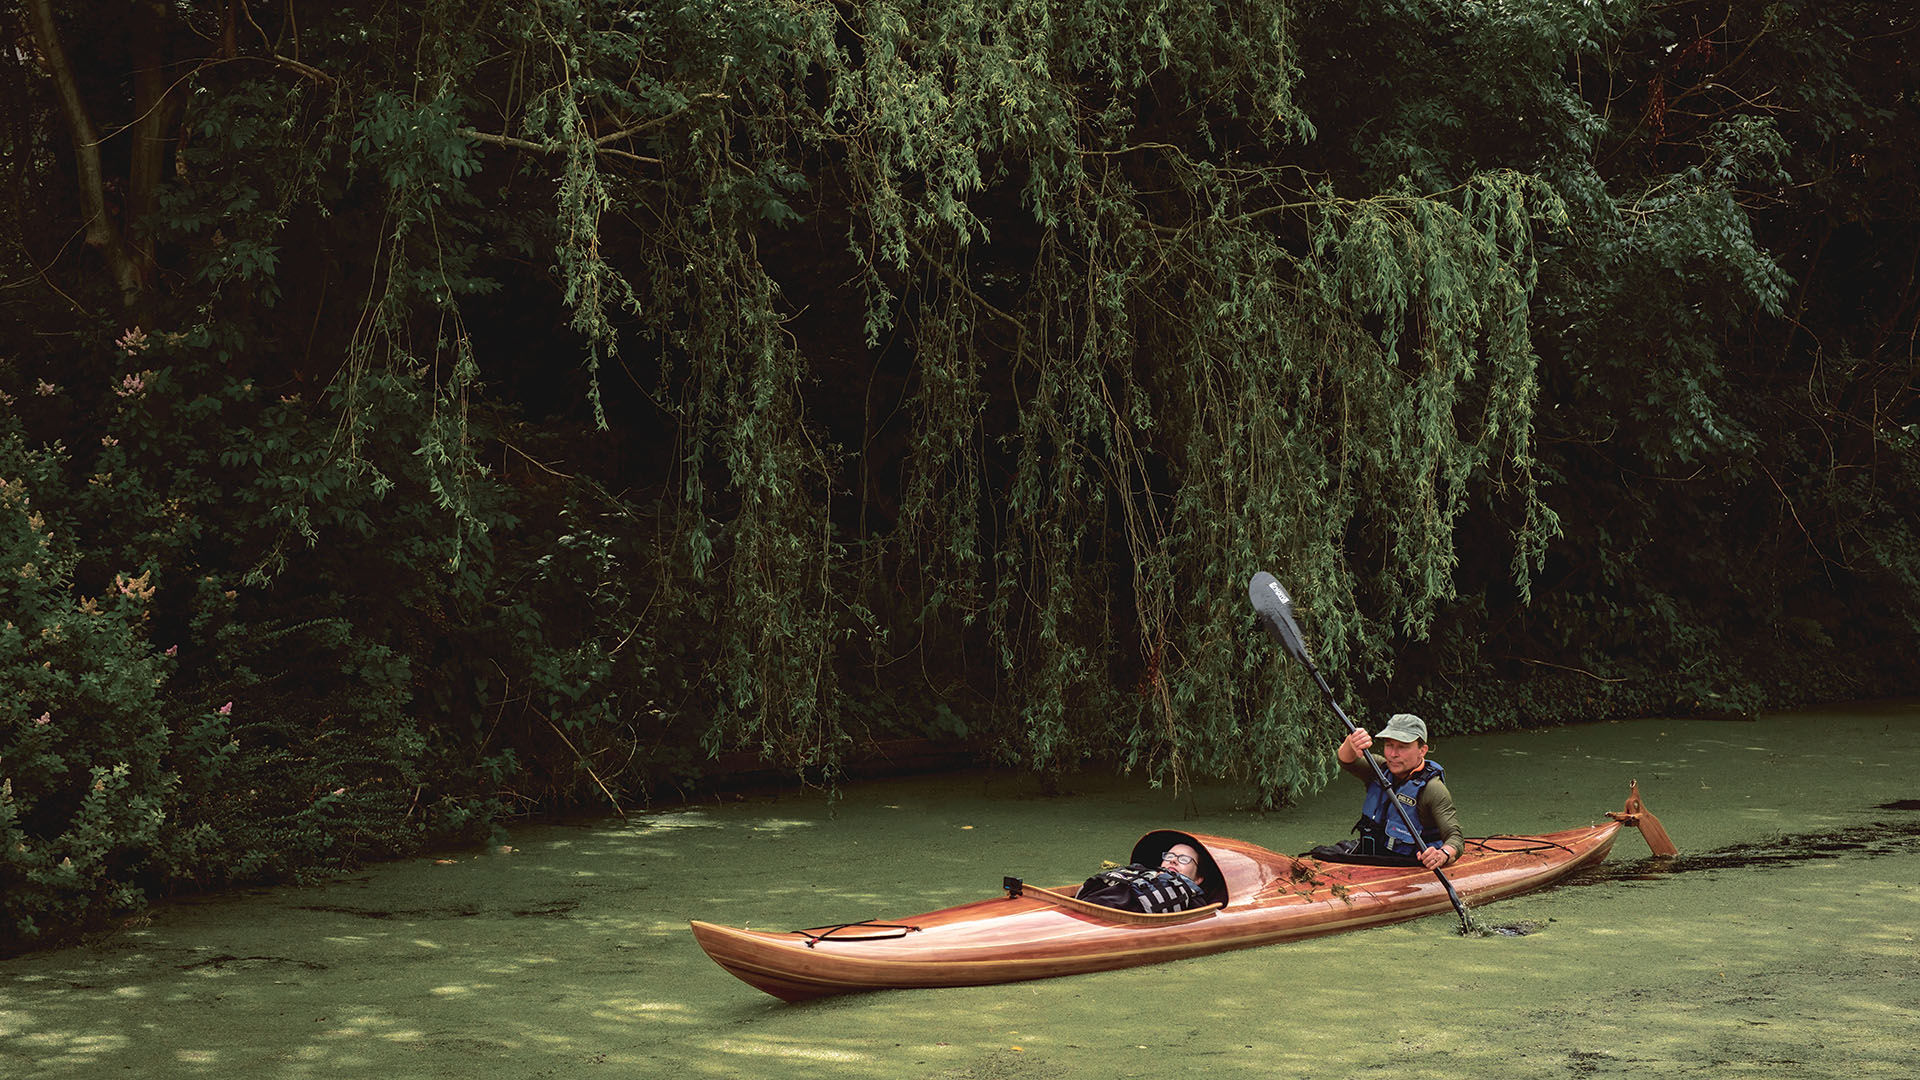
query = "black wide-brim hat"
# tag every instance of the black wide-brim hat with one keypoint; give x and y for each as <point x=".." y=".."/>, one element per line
<point x="1155" y="844"/>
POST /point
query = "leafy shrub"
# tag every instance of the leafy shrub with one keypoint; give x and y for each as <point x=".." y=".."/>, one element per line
<point x="89" y="746"/>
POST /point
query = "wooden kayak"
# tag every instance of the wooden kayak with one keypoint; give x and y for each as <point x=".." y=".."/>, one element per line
<point x="1260" y="898"/>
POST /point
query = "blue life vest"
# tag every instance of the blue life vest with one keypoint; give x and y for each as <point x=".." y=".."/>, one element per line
<point x="1383" y="819"/>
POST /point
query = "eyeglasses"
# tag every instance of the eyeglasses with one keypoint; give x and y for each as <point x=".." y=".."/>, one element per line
<point x="1176" y="858"/>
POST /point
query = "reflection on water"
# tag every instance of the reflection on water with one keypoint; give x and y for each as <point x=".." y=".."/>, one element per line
<point x="565" y="952"/>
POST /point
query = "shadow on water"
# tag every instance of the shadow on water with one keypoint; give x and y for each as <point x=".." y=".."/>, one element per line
<point x="1870" y="840"/>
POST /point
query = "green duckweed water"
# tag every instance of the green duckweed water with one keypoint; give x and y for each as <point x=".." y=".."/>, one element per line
<point x="569" y="955"/>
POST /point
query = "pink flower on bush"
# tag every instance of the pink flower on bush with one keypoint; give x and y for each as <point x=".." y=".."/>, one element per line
<point x="173" y="650"/>
<point x="133" y="342"/>
<point x="227" y="709"/>
<point x="44" y="719"/>
<point x="140" y="588"/>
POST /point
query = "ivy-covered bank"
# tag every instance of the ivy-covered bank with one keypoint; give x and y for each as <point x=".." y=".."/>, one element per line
<point x="415" y="415"/>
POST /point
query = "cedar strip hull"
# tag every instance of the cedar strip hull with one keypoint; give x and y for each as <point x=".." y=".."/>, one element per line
<point x="1272" y="898"/>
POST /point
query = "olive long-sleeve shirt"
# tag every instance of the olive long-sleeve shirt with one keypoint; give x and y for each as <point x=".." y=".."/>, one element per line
<point x="1435" y="806"/>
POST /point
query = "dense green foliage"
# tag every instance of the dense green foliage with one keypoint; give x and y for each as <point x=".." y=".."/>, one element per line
<point x="415" y="414"/>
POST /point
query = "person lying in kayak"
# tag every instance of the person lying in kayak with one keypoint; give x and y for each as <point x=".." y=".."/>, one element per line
<point x="1417" y="784"/>
<point x="1177" y="885"/>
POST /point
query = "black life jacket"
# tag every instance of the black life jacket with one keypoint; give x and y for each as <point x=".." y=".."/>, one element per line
<point x="1142" y="888"/>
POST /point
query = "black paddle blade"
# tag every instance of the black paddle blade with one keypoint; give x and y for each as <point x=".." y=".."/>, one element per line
<point x="1275" y="608"/>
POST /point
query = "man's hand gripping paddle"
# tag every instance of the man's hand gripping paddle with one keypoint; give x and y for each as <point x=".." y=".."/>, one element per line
<point x="1275" y="608"/>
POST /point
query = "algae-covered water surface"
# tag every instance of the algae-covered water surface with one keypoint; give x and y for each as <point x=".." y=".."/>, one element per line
<point x="1781" y="943"/>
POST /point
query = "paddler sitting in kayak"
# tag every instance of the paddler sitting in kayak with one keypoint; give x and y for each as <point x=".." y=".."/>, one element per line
<point x="1417" y="784"/>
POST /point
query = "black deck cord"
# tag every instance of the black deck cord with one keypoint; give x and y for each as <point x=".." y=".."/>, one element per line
<point x="1536" y="844"/>
<point x="895" y="930"/>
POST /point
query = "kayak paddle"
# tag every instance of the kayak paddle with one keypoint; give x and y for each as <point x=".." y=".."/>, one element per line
<point x="1275" y="608"/>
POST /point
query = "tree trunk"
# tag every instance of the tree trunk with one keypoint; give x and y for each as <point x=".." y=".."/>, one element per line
<point x="154" y="108"/>
<point x="103" y="232"/>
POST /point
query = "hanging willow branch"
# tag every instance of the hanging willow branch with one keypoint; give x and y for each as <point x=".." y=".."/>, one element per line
<point x="1218" y="359"/>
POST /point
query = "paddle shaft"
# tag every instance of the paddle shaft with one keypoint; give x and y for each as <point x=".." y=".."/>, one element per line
<point x="1272" y="602"/>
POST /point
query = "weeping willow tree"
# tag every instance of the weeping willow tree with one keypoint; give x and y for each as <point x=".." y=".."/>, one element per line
<point x="1151" y="350"/>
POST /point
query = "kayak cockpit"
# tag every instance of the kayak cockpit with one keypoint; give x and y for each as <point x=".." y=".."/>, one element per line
<point x="1213" y="885"/>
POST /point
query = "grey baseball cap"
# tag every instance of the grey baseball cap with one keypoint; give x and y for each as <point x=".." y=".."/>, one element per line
<point x="1404" y="727"/>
